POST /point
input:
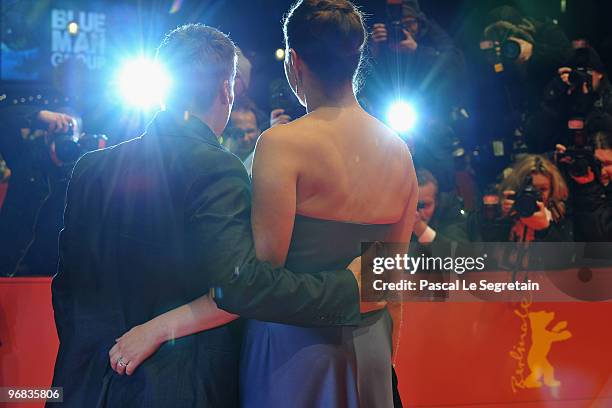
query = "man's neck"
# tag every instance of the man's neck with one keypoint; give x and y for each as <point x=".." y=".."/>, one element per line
<point x="207" y="118"/>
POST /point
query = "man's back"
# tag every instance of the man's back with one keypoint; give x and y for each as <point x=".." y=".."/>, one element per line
<point x="128" y="254"/>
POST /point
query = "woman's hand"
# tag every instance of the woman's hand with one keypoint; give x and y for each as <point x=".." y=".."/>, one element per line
<point x="142" y="341"/>
<point x="540" y="220"/>
<point x="134" y="347"/>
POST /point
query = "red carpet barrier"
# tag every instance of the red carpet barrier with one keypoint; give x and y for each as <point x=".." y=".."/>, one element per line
<point x="452" y="354"/>
<point x="482" y="354"/>
<point x="27" y="334"/>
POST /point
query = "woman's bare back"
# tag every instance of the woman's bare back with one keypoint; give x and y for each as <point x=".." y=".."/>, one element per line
<point x="350" y="167"/>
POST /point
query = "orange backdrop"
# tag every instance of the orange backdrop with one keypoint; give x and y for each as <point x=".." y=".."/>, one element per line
<point x="452" y="354"/>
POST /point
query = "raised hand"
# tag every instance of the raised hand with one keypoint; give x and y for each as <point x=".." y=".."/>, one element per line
<point x="56" y="122"/>
<point x="278" y="117"/>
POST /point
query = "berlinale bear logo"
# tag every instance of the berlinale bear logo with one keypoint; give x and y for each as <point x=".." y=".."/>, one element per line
<point x="541" y="371"/>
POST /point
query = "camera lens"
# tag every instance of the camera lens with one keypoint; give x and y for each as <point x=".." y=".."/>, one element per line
<point x="510" y="50"/>
<point x="526" y="206"/>
<point x="579" y="168"/>
<point x="67" y="150"/>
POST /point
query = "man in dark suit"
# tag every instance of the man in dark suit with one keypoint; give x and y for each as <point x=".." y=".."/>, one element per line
<point x="158" y="221"/>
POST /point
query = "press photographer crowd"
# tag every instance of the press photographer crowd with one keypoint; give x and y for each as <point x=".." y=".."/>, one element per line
<point x="544" y="176"/>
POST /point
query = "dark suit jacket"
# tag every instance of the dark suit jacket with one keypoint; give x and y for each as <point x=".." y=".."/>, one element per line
<point x="152" y="224"/>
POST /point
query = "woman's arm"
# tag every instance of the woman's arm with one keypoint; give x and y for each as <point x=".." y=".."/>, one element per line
<point x="275" y="180"/>
<point x="142" y="341"/>
<point x="401" y="233"/>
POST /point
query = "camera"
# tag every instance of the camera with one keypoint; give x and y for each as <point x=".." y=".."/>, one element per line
<point x="583" y="62"/>
<point x="395" y="27"/>
<point x="66" y="148"/>
<point x="525" y="201"/>
<point x="510" y="50"/>
<point x="496" y="52"/>
<point x="581" y="155"/>
<point x="579" y="76"/>
<point x="281" y="97"/>
<point x="581" y="159"/>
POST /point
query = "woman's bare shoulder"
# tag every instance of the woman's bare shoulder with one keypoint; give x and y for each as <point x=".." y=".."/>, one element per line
<point x="279" y="144"/>
<point x="291" y="137"/>
<point x="396" y="146"/>
<point x="385" y="131"/>
<point x="388" y="140"/>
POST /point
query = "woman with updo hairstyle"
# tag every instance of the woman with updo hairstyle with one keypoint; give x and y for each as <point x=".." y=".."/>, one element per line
<point x="328" y="37"/>
<point x="322" y="185"/>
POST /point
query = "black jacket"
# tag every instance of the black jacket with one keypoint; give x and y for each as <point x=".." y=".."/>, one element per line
<point x="152" y="224"/>
<point x="430" y="75"/>
<point x="31" y="212"/>
<point x="592" y="212"/>
<point x="549" y="124"/>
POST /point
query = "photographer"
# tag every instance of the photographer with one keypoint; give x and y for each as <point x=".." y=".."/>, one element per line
<point x="528" y="48"/>
<point x="285" y="106"/>
<point x="29" y="227"/>
<point x="439" y="216"/>
<point x="413" y="54"/>
<point x="519" y="55"/>
<point x="533" y="202"/>
<point x="579" y="91"/>
<point x="592" y="195"/>
<point x="242" y="132"/>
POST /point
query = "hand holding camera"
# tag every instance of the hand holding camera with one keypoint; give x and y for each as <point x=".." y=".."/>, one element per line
<point x="399" y="38"/>
<point x="527" y="205"/>
<point x="577" y="80"/>
<point x="579" y="165"/>
<point x="56" y="122"/>
<point x="528" y="208"/>
<point x="525" y="50"/>
<point x="279" y="117"/>
<point x="285" y="106"/>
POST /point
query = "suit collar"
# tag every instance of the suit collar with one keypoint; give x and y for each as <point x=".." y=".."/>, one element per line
<point x="173" y="124"/>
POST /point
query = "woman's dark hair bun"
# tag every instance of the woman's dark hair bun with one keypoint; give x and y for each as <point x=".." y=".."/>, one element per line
<point x="330" y="36"/>
<point x="333" y="5"/>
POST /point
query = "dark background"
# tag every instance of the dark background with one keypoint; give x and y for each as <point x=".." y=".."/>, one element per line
<point x="255" y="25"/>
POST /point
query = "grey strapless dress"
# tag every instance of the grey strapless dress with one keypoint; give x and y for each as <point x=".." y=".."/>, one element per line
<point x="291" y="366"/>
